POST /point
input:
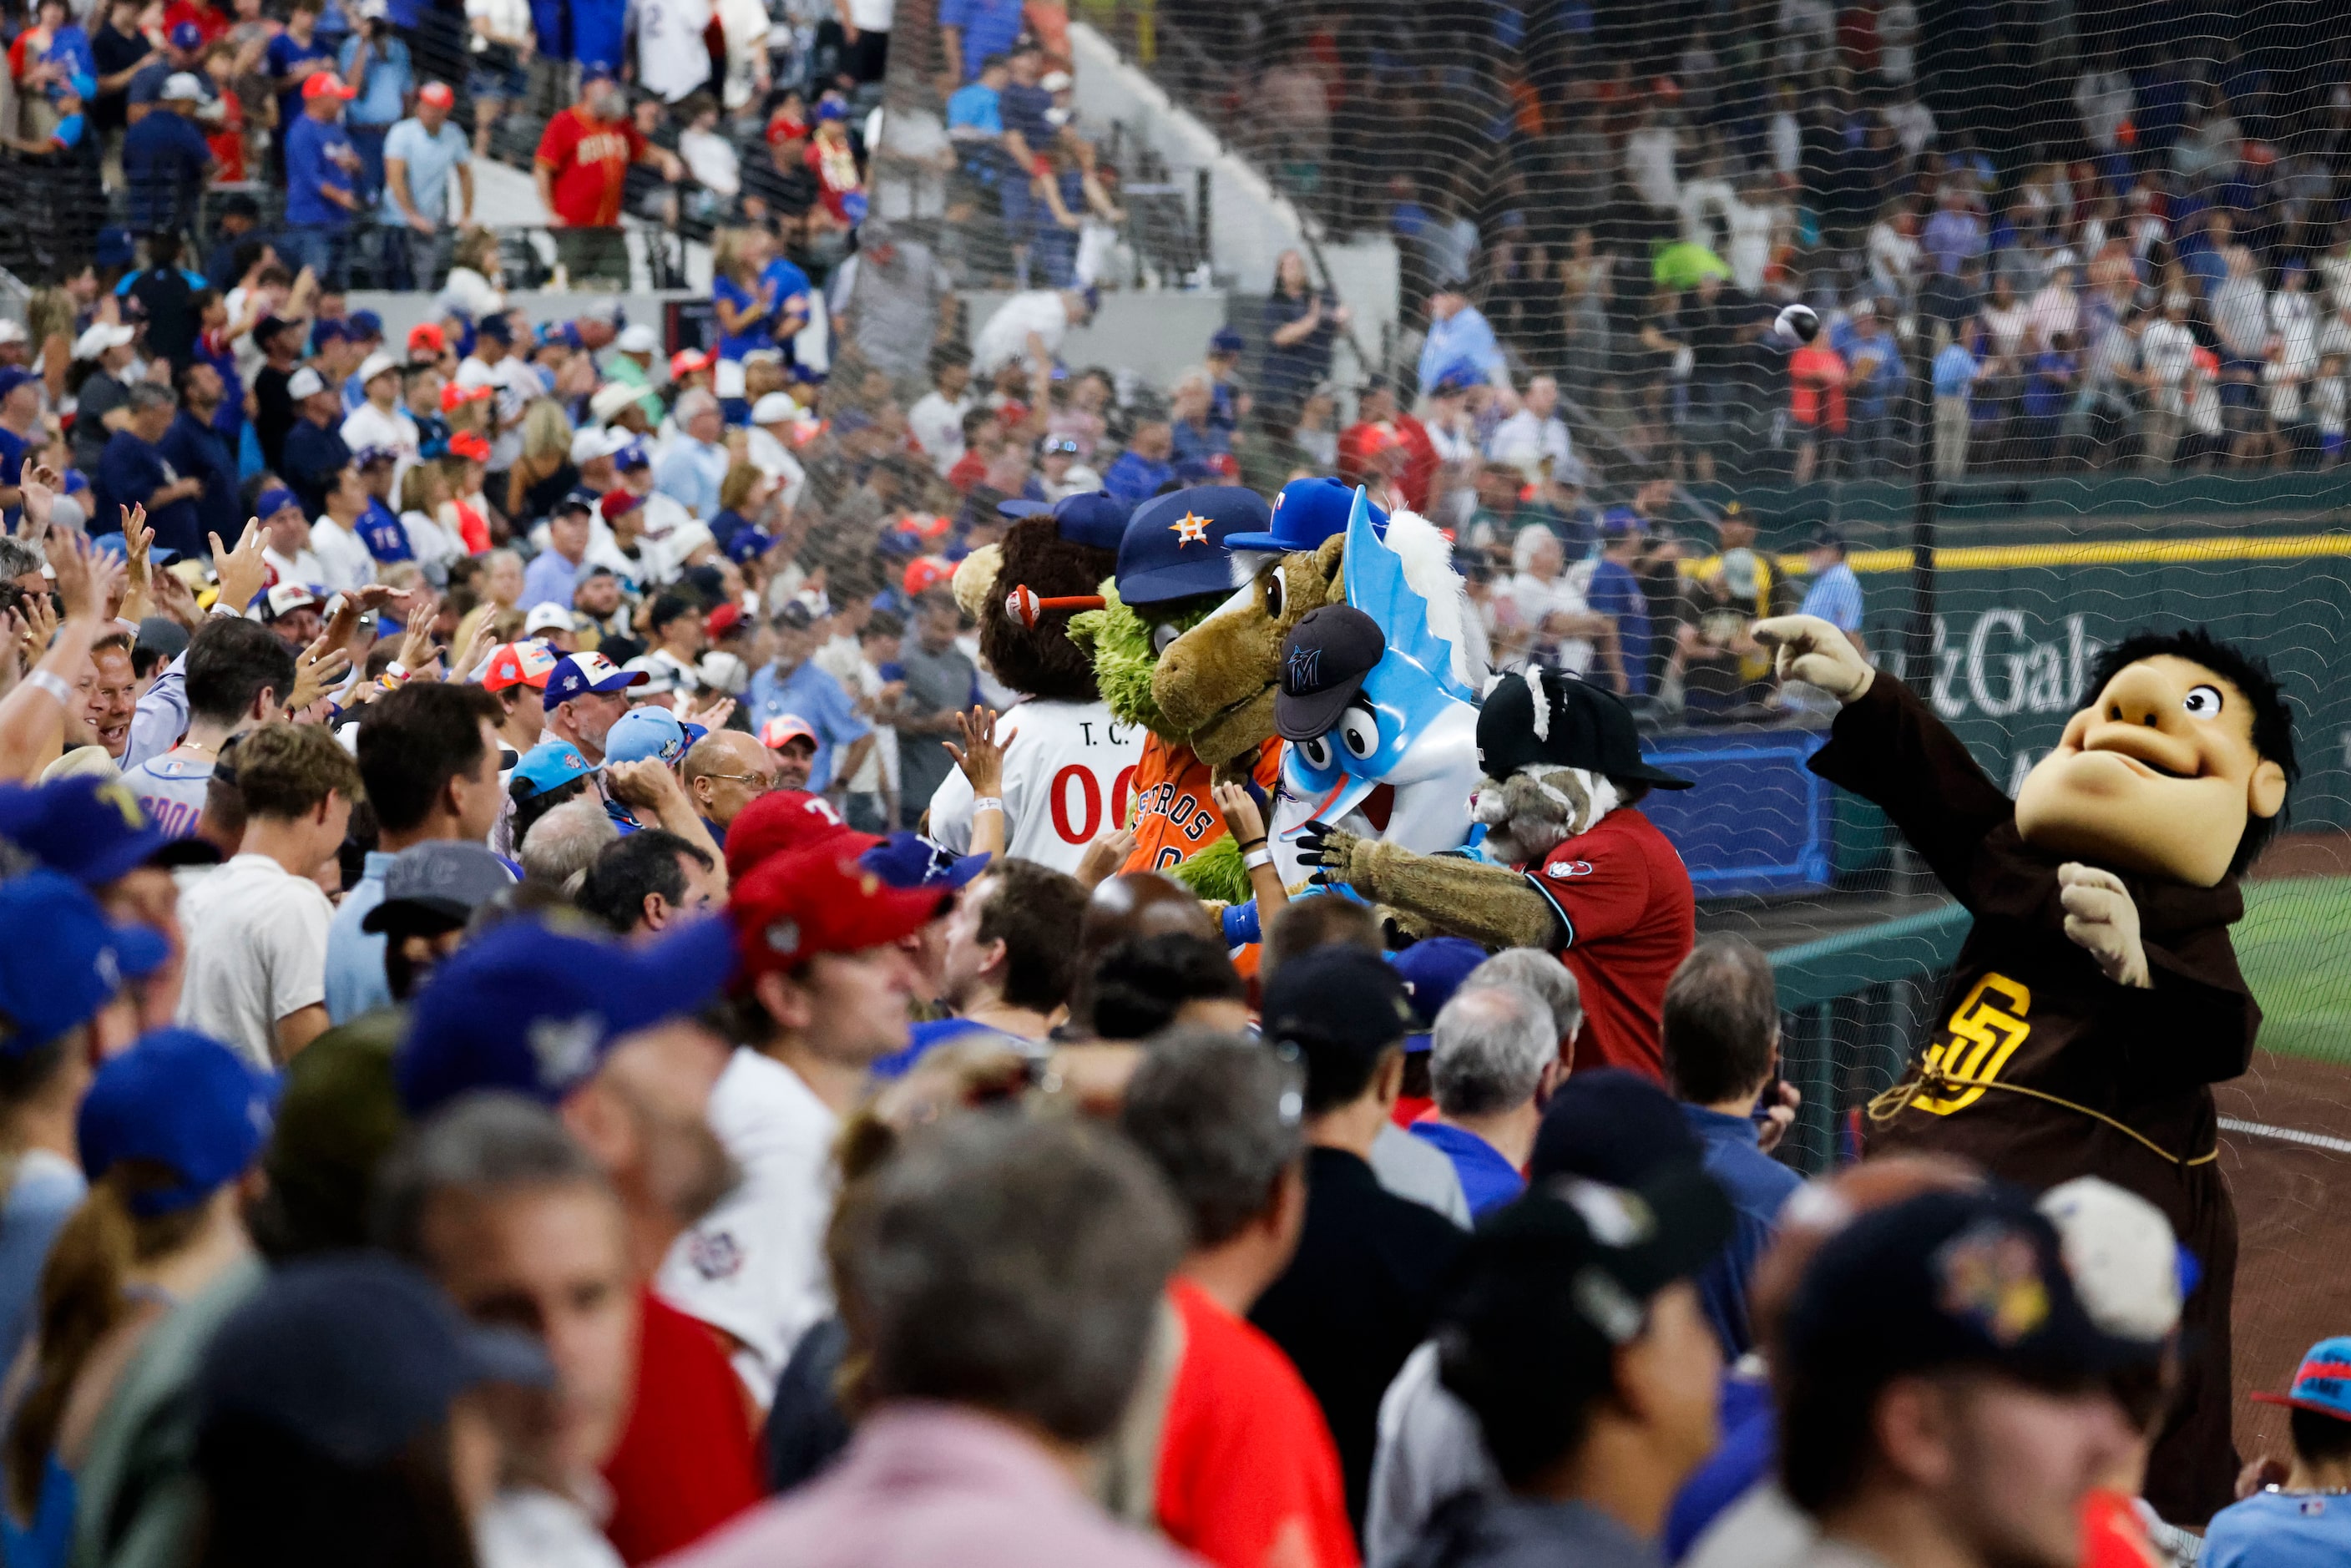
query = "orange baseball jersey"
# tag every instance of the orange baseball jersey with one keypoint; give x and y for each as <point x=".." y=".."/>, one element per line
<point x="1174" y="816"/>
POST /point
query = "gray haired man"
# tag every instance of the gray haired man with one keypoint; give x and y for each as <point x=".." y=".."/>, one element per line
<point x="1493" y="1062"/>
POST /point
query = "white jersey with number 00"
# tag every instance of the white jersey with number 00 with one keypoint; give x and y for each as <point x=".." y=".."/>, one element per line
<point x="1066" y="775"/>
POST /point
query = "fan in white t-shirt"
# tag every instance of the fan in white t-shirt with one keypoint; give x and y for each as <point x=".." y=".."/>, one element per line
<point x="831" y="984"/>
<point x="256" y="927"/>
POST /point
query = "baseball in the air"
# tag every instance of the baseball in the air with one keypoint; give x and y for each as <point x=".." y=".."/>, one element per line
<point x="1798" y="324"/>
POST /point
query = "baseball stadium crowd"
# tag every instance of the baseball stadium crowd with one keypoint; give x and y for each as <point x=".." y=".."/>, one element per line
<point x="467" y="1101"/>
<point x="505" y="1060"/>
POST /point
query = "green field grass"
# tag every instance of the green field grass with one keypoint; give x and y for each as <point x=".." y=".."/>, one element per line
<point x="2294" y="944"/>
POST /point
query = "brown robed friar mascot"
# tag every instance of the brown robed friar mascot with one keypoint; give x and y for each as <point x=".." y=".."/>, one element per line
<point x="2098" y="999"/>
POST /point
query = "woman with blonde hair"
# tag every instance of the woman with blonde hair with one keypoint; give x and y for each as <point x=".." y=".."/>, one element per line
<point x="543" y="474"/>
<point x="425" y="490"/>
<point x="499" y="583"/>
<point x="168" y="1132"/>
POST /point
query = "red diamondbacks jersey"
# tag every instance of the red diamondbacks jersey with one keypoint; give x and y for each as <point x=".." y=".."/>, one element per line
<point x="1069" y="773"/>
<point x="1623" y="899"/>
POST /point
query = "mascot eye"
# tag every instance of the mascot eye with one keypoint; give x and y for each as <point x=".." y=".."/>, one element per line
<point x="1277" y="593"/>
<point x="1359" y="732"/>
<point x="1316" y="752"/>
<point x="2203" y="702"/>
<point x="1161" y="636"/>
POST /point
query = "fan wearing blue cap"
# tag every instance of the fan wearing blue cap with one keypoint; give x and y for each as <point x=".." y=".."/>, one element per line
<point x="167" y="1131"/>
<point x="63" y="970"/>
<point x="93" y="830"/>
<point x="536" y="1011"/>
<point x="585" y="696"/>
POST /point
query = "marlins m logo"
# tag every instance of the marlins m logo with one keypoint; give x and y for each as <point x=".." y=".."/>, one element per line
<point x="1305" y="670"/>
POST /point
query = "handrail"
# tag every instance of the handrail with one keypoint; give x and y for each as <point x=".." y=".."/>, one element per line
<point x="1812" y="974"/>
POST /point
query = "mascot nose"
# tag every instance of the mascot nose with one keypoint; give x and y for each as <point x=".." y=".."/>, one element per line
<point x="2138" y="696"/>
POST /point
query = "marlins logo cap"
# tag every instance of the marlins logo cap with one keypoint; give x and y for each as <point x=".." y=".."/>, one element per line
<point x="1324" y="662"/>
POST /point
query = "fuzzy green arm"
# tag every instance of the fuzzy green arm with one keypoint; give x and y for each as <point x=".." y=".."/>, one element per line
<point x="1215" y="872"/>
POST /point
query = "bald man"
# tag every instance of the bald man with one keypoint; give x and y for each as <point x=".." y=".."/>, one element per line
<point x="723" y="772"/>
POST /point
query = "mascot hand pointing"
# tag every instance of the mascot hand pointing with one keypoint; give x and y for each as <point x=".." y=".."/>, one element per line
<point x="1813" y="650"/>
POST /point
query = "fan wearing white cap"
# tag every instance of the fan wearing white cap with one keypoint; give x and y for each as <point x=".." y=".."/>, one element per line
<point x="105" y="397"/>
<point x="631" y="364"/>
<point x="380" y="421"/>
<point x="554" y="625"/>
<point x="767" y="445"/>
<point x="16" y="347"/>
<point x="314" y="452"/>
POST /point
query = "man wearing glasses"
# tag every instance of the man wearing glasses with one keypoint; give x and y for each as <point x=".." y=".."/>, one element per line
<point x="725" y="771"/>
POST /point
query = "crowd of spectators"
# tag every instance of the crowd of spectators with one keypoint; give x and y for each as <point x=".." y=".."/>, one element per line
<point x="2128" y="254"/>
<point x="698" y="1179"/>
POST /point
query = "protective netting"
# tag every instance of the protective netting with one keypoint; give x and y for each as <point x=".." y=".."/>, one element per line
<point x="2082" y="280"/>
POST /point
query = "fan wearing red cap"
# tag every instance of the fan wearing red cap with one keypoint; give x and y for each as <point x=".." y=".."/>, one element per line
<point x="516" y="676"/>
<point x="783" y="821"/>
<point x="823" y="984"/>
<point x="419" y="156"/>
<point x="788" y="735"/>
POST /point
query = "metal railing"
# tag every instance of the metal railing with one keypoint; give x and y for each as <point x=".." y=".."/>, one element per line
<point x="1856" y="1008"/>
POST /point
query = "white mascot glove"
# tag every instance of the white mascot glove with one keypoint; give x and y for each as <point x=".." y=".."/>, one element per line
<point x="2101" y="919"/>
<point x="1812" y="651"/>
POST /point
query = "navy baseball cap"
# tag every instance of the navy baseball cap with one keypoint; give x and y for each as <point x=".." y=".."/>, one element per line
<point x="1554" y="1282"/>
<point x="909" y="860"/>
<point x="1324" y="662"/>
<point x="187" y="35"/>
<point x="366" y="325"/>
<point x="182" y="1101"/>
<point x="1432" y="970"/>
<point x="750" y="544"/>
<point x="1174" y="545"/>
<point x="1971" y="1278"/>
<point x="1092" y="517"/>
<point x="1341" y="1006"/>
<point x="1225" y="341"/>
<point x="60" y="960"/>
<point x="273" y="500"/>
<point x="497" y="328"/>
<point x="1608" y="1124"/>
<point x="533" y="1010"/>
<point x="329" y="330"/>
<point x="439" y="882"/>
<point x="577" y="674"/>
<point x="12" y="377"/>
<point x="91" y="828"/>
<point x="354" y="1355"/>
<point x="1306" y="512"/>
<point x="578" y="500"/>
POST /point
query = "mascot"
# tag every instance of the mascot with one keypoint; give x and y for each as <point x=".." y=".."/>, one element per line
<point x="1215" y="683"/>
<point x="1069" y="761"/>
<point x="1377" y="696"/>
<point x="1173" y="570"/>
<point x="2098" y="998"/>
<point x="1568" y="864"/>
